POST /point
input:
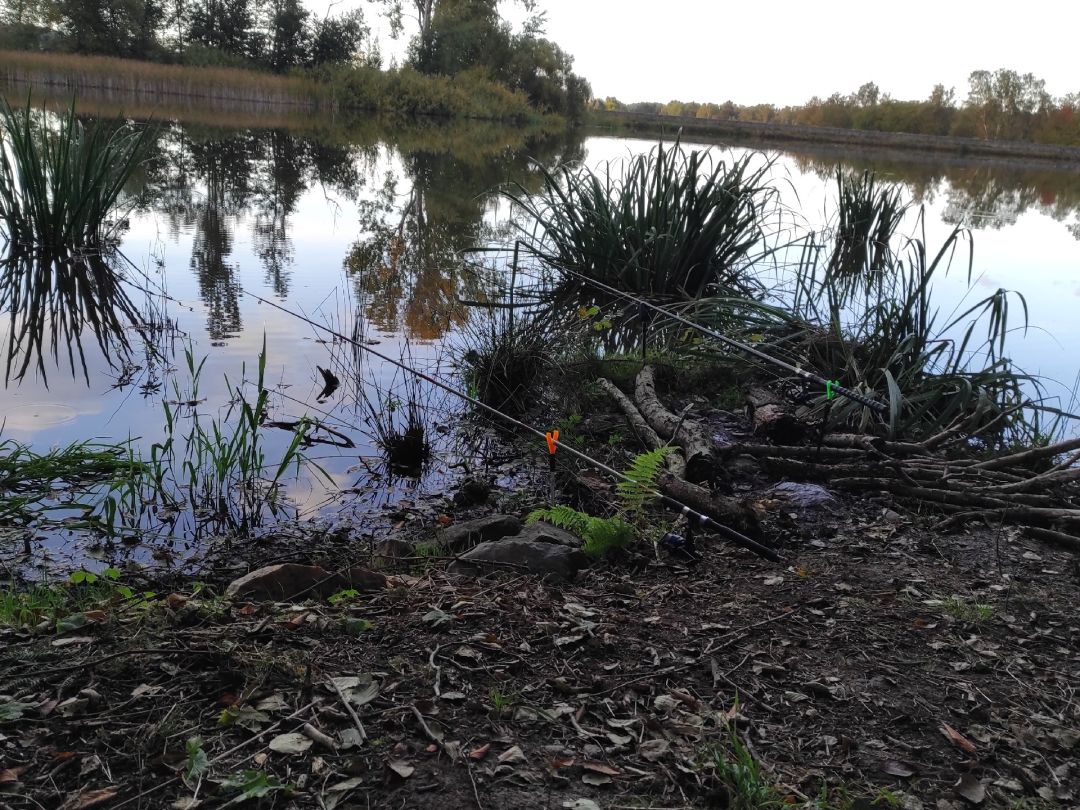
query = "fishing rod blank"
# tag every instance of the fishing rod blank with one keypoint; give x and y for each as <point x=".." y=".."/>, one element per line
<point x="704" y="521"/>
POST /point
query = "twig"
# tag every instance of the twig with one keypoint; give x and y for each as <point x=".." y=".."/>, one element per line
<point x="222" y="755"/>
<point x="427" y="729"/>
<point x="348" y="707"/>
<point x="438" y="670"/>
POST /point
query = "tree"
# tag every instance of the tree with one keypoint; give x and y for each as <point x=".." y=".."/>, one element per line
<point x="226" y="25"/>
<point x="338" y="39"/>
<point x="121" y="27"/>
<point x="288" y="37"/>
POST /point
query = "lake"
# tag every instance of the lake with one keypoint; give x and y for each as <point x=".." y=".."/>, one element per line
<point x="368" y="230"/>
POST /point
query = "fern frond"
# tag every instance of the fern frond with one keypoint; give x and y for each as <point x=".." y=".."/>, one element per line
<point x="562" y="516"/>
<point x="604" y="534"/>
<point x="642" y="474"/>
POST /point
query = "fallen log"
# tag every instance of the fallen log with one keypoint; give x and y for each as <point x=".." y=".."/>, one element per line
<point x="772" y="418"/>
<point x="674" y="462"/>
<point x="696" y="445"/>
<point x="728" y="511"/>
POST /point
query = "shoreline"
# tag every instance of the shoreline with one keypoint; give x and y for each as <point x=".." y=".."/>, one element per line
<point x="1042" y="155"/>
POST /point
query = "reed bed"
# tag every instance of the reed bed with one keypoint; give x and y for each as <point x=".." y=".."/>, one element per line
<point x="669" y="222"/>
<point x="140" y="80"/>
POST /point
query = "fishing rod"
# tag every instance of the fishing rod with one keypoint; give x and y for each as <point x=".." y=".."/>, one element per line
<point x="704" y="521"/>
<point x="831" y="386"/>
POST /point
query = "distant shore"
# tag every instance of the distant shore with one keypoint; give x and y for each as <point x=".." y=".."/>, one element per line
<point x="646" y="123"/>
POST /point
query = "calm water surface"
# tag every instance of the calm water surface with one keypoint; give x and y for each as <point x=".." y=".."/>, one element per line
<point x="367" y="235"/>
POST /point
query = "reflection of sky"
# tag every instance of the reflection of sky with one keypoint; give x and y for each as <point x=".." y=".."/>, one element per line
<point x="1036" y="256"/>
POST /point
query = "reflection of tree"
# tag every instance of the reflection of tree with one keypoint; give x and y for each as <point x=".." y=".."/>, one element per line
<point x="409" y="266"/>
<point x="977" y="194"/>
<point x="206" y="181"/>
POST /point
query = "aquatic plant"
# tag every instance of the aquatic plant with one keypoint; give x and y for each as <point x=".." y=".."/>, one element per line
<point x="505" y="354"/>
<point x="867" y="217"/>
<point x="61" y="179"/>
<point x="52" y="299"/>
<point x="669" y="222"/>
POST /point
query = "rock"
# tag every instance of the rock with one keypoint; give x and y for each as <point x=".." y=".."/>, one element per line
<point x="541" y="532"/>
<point x="802" y="495"/>
<point x="364" y="580"/>
<point x="393" y="548"/>
<point x="549" y="560"/>
<point x="285" y="582"/>
<point x="466" y="535"/>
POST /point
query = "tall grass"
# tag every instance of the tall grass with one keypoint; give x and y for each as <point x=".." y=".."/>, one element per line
<point x="60" y="181"/>
<point x="669" y="222"/>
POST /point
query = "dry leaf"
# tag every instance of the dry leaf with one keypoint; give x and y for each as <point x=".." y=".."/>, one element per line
<point x="600" y="767"/>
<point x="653" y="750"/>
<point x="957" y="739"/>
<point x="896" y="768"/>
<point x="401" y="768"/>
<point x="88" y="798"/>
<point x="9" y="776"/>
<point x="595" y="779"/>
<point x="290" y="743"/>
<point x="512" y="755"/>
<point x="971" y="789"/>
<point x="478" y="754"/>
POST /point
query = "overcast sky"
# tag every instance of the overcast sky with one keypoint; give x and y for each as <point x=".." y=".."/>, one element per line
<point x="785" y="51"/>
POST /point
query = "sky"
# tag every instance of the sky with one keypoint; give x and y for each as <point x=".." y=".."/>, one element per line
<point x="783" y="52"/>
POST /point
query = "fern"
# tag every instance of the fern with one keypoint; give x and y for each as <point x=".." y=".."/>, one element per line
<point x="604" y="534"/>
<point x="562" y="516"/>
<point x="642" y="474"/>
<point x="601" y="535"/>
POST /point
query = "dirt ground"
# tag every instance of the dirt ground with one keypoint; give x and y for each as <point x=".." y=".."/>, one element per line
<point x="881" y="665"/>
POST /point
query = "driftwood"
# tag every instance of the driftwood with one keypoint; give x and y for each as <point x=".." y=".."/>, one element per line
<point x="728" y="511"/>
<point x="1037" y="489"/>
<point x="772" y="418"/>
<point x="697" y="447"/>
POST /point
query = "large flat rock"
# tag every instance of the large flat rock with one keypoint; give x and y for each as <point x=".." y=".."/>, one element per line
<point x="516" y="555"/>
<point x="465" y="535"/>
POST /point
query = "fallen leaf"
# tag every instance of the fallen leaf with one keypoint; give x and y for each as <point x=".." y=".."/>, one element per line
<point x="401" y="768"/>
<point x="774" y="580"/>
<point x="512" y="755"/>
<point x="595" y="779"/>
<point x="95" y="616"/>
<point x="273" y="703"/>
<point x="64" y="642"/>
<point x="176" y="601"/>
<point x="653" y="750"/>
<point x="957" y="739"/>
<point x="9" y="776"/>
<point x="290" y="743"/>
<point x="600" y="767"/>
<point x="478" y="754"/>
<point x="971" y="789"/>
<point x="581" y="804"/>
<point x="88" y="798"/>
<point x="896" y="768"/>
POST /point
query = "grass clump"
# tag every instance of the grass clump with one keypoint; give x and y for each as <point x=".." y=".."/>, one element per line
<point x="61" y="179"/>
<point x="965" y="611"/>
<point x="868" y="215"/>
<point x="741" y="779"/>
<point x="505" y="356"/>
<point x="671" y="222"/>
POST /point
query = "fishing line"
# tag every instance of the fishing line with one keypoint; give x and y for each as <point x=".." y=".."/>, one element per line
<point x="704" y="521"/>
<point x="830" y="385"/>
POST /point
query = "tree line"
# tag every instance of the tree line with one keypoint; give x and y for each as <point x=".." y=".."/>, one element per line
<point x="1002" y="104"/>
<point x="448" y="38"/>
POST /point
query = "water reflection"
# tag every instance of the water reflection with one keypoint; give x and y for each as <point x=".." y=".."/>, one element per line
<point x="977" y="194"/>
<point x="52" y="302"/>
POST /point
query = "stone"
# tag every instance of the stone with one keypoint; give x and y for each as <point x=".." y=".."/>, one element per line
<point x="542" y="532"/>
<point x="466" y="535"/>
<point x="364" y="579"/>
<point x="805" y="496"/>
<point x="549" y="560"/>
<point x="393" y="548"/>
<point x="286" y="582"/>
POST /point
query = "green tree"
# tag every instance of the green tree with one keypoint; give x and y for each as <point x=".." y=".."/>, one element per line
<point x="339" y="39"/>
<point x="288" y="37"/>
